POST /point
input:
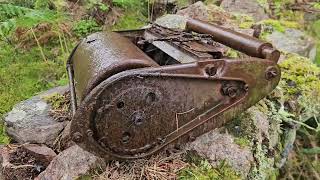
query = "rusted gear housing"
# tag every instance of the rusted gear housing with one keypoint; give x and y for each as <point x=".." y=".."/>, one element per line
<point x="140" y="91"/>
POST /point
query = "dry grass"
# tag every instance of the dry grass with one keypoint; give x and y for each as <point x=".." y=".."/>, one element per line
<point x="162" y="167"/>
<point x="60" y="106"/>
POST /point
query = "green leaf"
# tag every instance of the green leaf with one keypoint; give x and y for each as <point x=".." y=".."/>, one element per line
<point x="315" y="150"/>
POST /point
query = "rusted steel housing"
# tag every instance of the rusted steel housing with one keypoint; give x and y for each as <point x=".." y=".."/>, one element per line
<point x="140" y="91"/>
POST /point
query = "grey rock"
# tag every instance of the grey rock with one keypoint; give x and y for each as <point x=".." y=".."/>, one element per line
<point x="311" y="17"/>
<point x="250" y="7"/>
<point x="40" y="152"/>
<point x="262" y="133"/>
<point x="29" y="121"/>
<point x="197" y="10"/>
<point x="172" y="21"/>
<point x="216" y="147"/>
<point x="294" y="41"/>
<point x="179" y="22"/>
<point x="72" y="163"/>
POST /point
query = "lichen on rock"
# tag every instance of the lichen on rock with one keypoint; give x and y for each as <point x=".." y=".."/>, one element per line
<point x="301" y="86"/>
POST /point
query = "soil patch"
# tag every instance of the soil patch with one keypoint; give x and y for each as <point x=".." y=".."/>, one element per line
<point x="23" y="165"/>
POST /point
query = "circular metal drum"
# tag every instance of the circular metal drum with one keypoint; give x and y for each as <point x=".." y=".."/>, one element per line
<point x="102" y="55"/>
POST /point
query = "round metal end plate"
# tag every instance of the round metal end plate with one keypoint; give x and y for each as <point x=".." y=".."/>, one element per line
<point x="130" y="122"/>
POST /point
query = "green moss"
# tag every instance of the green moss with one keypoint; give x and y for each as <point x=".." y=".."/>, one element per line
<point x="242" y="126"/>
<point x="291" y="24"/>
<point x="300" y="81"/>
<point x="316" y="5"/>
<point x="263" y="3"/>
<point x="315" y="31"/>
<point x="24" y="78"/>
<point x="200" y="168"/>
<point x="317" y="60"/>
<point x="207" y="2"/>
<point x="205" y="171"/>
<point x="242" y="142"/>
<point x="4" y="139"/>
<point x="245" y="129"/>
<point x="231" y="53"/>
<point x="24" y="74"/>
<point x="270" y="25"/>
<point x="263" y="168"/>
<point x="279" y="25"/>
<point x="244" y="21"/>
<point x="182" y="3"/>
<point x="57" y="101"/>
<point x="85" y="177"/>
<point x="130" y="20"/>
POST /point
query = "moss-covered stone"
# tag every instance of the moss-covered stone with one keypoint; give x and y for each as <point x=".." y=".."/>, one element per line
<point x="244" y="21"/>
<point x="315" y="31"/>
<point x="301" y="84"/>
<point x="204" y="170"/>
<point x="231" y="53"/>
<point x="56" y="100"/>
<point x="183" y="3"/>
<point x="271" y="25"/>
<point x="242" y="141"/>
<point x="316" y="5"/>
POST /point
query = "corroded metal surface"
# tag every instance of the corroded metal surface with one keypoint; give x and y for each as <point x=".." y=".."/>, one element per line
<point x="241" y="42"/>
<point x="162" y="87"/>
<point x="102" y="55"/>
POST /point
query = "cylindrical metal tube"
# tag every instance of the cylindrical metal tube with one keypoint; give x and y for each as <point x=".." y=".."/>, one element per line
<point x="102" y="55"/>
<point x="72" y="90"/>
<point x="241" y="42"/>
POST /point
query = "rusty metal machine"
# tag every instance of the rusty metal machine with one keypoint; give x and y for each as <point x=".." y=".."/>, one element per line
<point x="137" y="92"/>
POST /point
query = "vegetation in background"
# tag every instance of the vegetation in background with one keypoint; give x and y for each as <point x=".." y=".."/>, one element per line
<point x="29" y="63"/>
<point x="37" y="36"/>
<point x="85" y="27"/>
<point x="315" y="31"/>
<point x="301" y="84"/>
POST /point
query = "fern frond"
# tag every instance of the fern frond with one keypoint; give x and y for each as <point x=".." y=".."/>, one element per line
<point x="8" y="11"/>
<point x="42" y="4"/>
<point x="6" y="27"/>
<point x="35" y="17"/>
<point x="16" y="16"/>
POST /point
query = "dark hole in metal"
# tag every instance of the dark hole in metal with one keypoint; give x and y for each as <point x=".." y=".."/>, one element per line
<point x="126" y="137"/>
<point x="159" y="56"/>
<point x="211" y="70"/>
<point x="138" y="121"/>
<point x="151" y="97"/>
<point x="91" y="41"/>
<point x="216" y="55"/>
<point x="120" y="104"/>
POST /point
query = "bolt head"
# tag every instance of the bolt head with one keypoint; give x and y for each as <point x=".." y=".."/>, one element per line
<point x="77" y="137"/>
<point x="90" y="133"/>
<point x="230" y="91"/>
<point x="211" y="70"/>
<point x="246" y="87"/>
<point x="271" y="72"/>
<point x="192" y="138"/>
